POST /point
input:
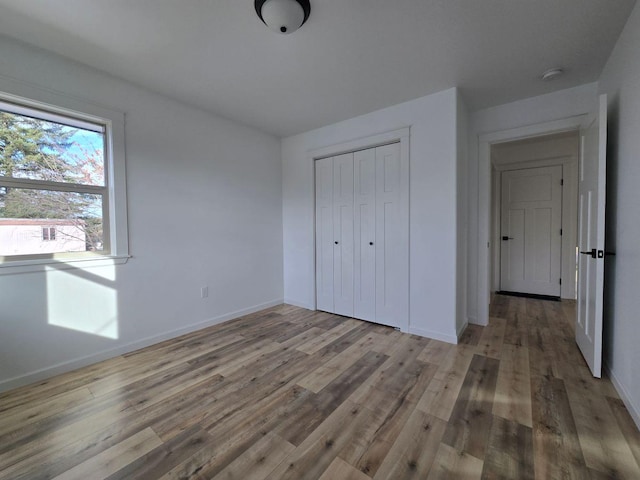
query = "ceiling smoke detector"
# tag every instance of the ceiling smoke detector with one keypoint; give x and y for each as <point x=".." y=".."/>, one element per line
<point x="283" y="16"/>
<point x="552" y="74"/>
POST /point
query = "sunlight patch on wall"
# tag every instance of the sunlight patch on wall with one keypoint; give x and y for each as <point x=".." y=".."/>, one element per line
<point x="83" y="300"/>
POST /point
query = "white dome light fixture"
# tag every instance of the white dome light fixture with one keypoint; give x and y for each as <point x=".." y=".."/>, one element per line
<point x="283" y="16"/>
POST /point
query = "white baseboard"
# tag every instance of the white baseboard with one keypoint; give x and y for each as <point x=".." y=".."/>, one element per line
<point x="475" y="321"/>
<point x="70" y="365"/>
<point x="295" y="303"/>
<point x="461" y="330"/>
<point x="435" y="335"/>
<point x="634" y="411"/>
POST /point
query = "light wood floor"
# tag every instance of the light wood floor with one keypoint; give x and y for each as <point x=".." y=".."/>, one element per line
<point x="292" y="394"/>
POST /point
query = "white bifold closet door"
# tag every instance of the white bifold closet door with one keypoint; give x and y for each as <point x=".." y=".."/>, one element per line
<point x="324" y="234"/>
<point x="364" y="301"/>
<point x="362" y="246"/>
<point x="343" y="235"/>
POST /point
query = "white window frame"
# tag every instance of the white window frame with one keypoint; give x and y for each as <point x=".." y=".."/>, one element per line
<point x="59" y="108"/>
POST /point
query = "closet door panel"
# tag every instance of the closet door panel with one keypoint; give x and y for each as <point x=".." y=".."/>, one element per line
<point x="324" y="234"/>
<point x="343" y="260"/>
<point x="392" y="241"/>
<point x="364" y="163"/>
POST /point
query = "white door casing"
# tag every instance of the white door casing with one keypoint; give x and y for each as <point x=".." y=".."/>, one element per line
<point x="591" y="223"/>
<point x="531" y="223"/>
<point x="343" y="261"/>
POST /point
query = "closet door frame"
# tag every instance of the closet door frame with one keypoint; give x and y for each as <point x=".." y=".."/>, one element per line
<point x="401" y="136"/>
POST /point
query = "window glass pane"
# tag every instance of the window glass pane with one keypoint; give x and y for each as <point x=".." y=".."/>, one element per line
<point x="43" y="150"/>
<point x="42" y="221"/>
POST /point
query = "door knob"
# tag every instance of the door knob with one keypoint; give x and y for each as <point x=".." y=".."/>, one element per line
<point x="336" y="243"/>
<point x="505" y="238"/>
<point x="593" y="253"/>
<point x="370" y="243"/>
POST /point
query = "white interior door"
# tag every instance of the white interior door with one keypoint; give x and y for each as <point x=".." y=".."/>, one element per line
<point x="531" y="235"/>
<point x="593" y="163"/>
<point x="392" y="237"/>
<point x="364" y="163"/>
<point x="343" y="261"/>
<point x="324" y="234"/>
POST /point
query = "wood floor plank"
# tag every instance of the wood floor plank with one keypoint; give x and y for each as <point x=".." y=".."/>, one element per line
<point x="451" y="464"/>
<point x="325" y="373"/>
<point x="30" y="432"/>
<point x="258" y="461"/>
<point x="414" y="451"/>
<point x="164" y="457"/>
<point x="557" y="452"/>
<point x="316" y="453"/>
<point x="115" y="458"/>
<point x="513" y="390"/>
<point x="492" y="338"/>
<point x="322" y="340"/>
<point x="45" y="390"/>
<point x="32" y="414"/>
<point x="510" y="451"/>
<point x="386" y="421"/>
<point x="471" y="335"/>
<point x="208" y="405"/>
<point x="435" y="352"/>
<point x="339" y="469"/>
<point x="302" y="423"/>
<point x="49" y="452"/>
<point x="440" y="396"/>
<point x="602" y="442"/>
<point x="627" y="426"/>
<point x="471" y="420"/>
<point x="137" y="371"/>
<point x="542" y="357"/>
<point x="517" y="329"/>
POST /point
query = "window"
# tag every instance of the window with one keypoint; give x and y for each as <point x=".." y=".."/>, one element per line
<point x="61" y="191"/>
<point x="48" y="233"/>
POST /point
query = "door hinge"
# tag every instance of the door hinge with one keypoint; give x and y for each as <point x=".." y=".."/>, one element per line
<point x="562" y="181"/>
<point x="560" y="281"/>
<point x="560" y="232"/>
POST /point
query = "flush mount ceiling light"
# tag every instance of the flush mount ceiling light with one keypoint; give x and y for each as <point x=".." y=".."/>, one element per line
<point x="552" y="74"/>
<point x="283" y="16"/>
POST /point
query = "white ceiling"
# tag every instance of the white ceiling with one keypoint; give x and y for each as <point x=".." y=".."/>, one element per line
<point x="350" y="58"/>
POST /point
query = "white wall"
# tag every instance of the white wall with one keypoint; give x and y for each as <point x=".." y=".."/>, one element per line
<point x="205" y="208"/>
<point x="621" y="81"/>
<point x="531" y="111"/>
<point x="433" y="161"/>
<point x="462" y="199"/>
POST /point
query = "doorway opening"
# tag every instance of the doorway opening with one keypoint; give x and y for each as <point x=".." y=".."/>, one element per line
<point x="533" y="220"/>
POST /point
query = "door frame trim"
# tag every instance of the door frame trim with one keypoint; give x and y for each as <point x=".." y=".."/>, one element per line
<point x="401" y="136"/>
<point x="485" y="141"/>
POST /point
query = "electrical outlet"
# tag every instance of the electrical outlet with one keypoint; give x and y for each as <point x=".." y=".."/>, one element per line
<point x="204" y="292"/>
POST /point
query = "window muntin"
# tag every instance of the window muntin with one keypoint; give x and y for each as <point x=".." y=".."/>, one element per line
<point x="53" y="174"/>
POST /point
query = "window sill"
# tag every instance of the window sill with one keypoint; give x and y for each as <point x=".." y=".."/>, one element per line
<point x="47" y="264"/>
